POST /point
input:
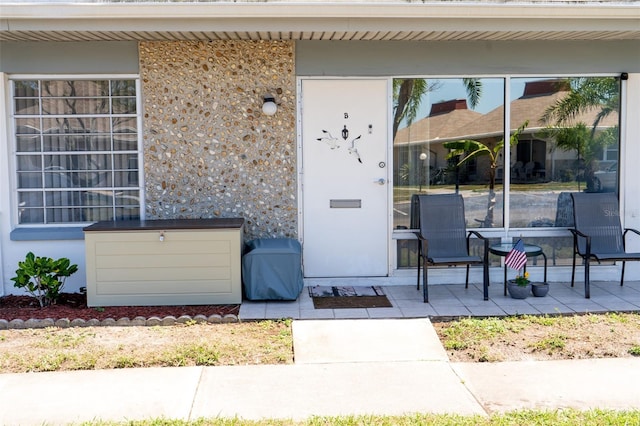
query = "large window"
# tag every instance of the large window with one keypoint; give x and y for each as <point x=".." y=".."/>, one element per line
<point x="569" y="145"/>
<point x="442" y="127"/>
<point x="76" y="149"/>
<point x="449" y="136"/>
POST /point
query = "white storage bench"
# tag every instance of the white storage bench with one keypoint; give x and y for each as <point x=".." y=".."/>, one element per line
<point x="164" y="262"/>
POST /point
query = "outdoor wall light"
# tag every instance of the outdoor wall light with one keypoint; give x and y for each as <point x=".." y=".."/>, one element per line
<point x="269" y="106"/>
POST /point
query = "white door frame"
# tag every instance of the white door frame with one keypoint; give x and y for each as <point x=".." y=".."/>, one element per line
<point x="389" y="169"/>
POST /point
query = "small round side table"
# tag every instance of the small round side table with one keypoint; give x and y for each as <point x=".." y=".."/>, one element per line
<point x="530" y="250"/>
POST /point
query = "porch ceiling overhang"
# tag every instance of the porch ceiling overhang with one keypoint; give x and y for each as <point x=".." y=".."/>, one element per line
<point x="313" y="20"/>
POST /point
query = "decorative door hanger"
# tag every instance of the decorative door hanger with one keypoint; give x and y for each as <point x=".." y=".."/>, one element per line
<point x="334" y="142"/>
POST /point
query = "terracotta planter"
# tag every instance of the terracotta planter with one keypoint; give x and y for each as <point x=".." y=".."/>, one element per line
<point x="540" y="289"/>
<point x="518" y="292"/>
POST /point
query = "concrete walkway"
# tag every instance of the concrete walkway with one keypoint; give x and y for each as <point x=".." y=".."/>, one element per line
<point x="454" y="300"/>
<point x="342" y="367"/>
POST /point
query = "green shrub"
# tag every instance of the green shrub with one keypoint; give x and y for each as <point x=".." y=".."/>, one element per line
<point x="43" y="277"/>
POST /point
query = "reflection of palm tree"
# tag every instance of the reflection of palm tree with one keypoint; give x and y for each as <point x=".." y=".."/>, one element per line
<point x="585" y="95"/>
<point x="408" y="95"/>
<point x="576" y="138"/>
<point x="470" y="149"/>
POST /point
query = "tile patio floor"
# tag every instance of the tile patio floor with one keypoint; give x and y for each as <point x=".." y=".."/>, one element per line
<point x="453" y="300"/>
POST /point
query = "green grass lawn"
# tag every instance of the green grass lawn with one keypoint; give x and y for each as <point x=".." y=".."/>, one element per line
<point x="515" y="418"/>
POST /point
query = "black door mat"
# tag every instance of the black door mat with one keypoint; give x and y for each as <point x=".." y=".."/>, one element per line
<point x="348" y="297"/>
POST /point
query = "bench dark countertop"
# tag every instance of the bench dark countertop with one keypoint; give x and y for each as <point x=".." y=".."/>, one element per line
<point x="166" y="224"/>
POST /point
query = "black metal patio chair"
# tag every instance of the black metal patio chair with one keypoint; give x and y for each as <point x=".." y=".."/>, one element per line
<point x="598" y="233"/>
<point x="444" y="240"/>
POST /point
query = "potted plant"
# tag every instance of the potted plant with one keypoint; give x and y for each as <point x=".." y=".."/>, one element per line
<point x="520" y="287"/>
<point x="539" y="289"/>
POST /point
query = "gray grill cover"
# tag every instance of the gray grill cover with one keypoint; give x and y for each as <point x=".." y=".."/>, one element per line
<point x="272" y="269"/>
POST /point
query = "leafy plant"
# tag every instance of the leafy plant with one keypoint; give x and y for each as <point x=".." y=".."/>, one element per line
<point x="43" y="277"/>
<point x="522" y="280"/>
<point x="585" y="95"/>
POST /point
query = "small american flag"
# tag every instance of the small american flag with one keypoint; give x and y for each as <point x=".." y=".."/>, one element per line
<point x="517" y="257"/>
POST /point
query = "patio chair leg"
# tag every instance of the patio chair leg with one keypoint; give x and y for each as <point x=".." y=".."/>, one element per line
<point x="485" y="281"/>
<point x="622" y="276"/>
<point x="573" y="269"/>
<point x="419" y="258"/>
<point x="425" y="288"/>
<point x="466" y="283"/>
<point x="587" y="293"/>
<point x="485" y="272"/>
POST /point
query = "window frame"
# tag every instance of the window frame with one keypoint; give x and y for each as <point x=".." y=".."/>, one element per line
<point x="69" y="230"/>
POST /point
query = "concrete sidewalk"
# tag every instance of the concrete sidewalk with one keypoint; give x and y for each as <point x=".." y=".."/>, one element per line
<point x="363" y="376"/>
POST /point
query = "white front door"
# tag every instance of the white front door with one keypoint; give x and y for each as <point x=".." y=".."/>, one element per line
<point x="345" y="192"/>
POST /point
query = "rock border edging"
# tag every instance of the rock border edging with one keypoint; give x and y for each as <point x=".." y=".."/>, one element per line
<point x="19" y="324"/>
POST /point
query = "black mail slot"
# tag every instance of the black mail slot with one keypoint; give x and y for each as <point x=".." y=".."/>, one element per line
<point x="345" y="204"/>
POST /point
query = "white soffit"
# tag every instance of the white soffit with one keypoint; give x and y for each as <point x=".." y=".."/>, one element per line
<point x="318" y="20"/>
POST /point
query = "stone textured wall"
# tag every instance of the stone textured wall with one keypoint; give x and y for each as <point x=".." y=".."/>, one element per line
<point x="208" y="149"/>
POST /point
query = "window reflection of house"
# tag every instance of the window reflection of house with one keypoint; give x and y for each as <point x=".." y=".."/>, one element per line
<point x="530" y="158"/>
<point x="534" y="159"/>
<point x="538" y="168"/>
<point x="427" y="134"/>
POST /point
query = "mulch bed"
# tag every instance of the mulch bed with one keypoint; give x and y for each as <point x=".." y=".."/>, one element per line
<point x="74" y="305"/>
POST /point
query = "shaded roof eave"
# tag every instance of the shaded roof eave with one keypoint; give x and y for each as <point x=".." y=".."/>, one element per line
<point x="321" y="20"/>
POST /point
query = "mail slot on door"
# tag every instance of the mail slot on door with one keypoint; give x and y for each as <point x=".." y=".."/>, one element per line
<point x="345" y="204"/>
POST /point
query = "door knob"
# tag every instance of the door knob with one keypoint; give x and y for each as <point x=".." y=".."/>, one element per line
<point x="380" y="181"/>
